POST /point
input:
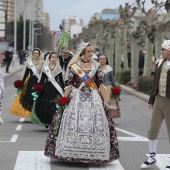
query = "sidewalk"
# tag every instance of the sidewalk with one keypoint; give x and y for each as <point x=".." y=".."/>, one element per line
<point x="12" y="69"/>
<point x="135" y="93"/>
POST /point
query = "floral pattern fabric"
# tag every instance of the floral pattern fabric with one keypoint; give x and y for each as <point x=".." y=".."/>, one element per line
<point x="87" y="133"/>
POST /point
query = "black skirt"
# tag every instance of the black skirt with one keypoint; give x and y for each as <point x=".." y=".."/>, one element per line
<point x="26" y="98"/>
<point x="46" y="103"/>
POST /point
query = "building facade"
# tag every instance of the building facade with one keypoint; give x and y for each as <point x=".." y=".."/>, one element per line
<point x="72" y="24"/>
<point x="32" y="10"/>
<point x="110" y="14"/>
<point x="46" y="19"/>
<point x="8" y="6"/>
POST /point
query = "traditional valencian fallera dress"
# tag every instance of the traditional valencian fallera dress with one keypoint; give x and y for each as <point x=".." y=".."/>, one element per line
<point x="23" y="103"/>
<point x="45" y="107"/>
<point x="87" y="133"/>
<point x="109" y="82"/>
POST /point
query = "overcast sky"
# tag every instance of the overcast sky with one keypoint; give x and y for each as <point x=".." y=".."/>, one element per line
<point x="82" y="9"/>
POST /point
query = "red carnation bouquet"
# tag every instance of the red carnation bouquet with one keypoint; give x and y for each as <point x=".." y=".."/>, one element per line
<point x="61" y="103"/>
<point x="38" y="88"/>
<point x="18" y="84"/>
<point x="116" y="91"/>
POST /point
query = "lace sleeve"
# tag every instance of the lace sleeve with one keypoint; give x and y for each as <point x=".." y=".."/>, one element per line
<point x="99" y="77"/>
<point x="71" y="77"/>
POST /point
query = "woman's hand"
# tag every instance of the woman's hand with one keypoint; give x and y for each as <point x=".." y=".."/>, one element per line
<point x="105" y="104"/>
<point x="150" y="106"/>
<point x="67" y="91"/>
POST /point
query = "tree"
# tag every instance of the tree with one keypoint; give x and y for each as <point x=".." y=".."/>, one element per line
<point x="125" y="14"/>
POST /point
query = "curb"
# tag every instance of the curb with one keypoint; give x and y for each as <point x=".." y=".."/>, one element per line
<point x="15" y="71"/>
<point x="140" y="95"/>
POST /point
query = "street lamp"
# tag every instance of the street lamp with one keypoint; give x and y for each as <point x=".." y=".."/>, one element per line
<point x="36" y="35"/>
<point x="15" y="26"/>
<point x="31" y="31"/>
<point x="24" y="30"/>
<point x="33" y="34"/>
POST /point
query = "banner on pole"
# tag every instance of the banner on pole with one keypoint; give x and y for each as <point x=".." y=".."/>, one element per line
<point x="56" y="40"/>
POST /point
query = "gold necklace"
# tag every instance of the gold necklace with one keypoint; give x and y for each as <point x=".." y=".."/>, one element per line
<point x="85" y="63"/>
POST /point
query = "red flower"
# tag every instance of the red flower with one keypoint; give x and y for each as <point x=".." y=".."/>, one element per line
<point x="59" y="102"/>
<point x="18" y="84"/>
<point x="63" y="101"/>
<point x="116" y="90"/>
<point x="38" y="87"/>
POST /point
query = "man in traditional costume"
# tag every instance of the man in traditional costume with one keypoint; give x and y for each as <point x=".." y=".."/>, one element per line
<point x="160" y="102"/>
<point x="64" y="59"/>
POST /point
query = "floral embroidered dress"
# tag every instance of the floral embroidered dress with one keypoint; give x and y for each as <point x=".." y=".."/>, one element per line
<point x="87" y="133"/>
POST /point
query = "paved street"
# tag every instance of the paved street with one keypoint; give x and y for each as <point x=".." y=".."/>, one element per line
<point x="22" y="143"/>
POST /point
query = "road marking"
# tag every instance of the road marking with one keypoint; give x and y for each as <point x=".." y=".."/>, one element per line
<point x="161" y="160"/>
<point x="22" y="120"/>
<point x="19" y="127"/>
<point x="31" y="160"/>
<point x="134" y="138"/>
<point x="14" y="138"/>
<point x="110" y="166"/>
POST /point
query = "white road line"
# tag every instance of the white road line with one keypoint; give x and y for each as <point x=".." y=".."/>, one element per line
<point x="32" y="160"/>
<point x="134" y="138"/>
<point x="22" y="120"/>
<point x="161" y="160"/>
<point x="19" y="127"/>
<point x="14" y="138"/>
<point x="115" y="165"/>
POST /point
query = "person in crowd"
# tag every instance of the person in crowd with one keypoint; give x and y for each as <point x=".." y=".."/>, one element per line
<point x="23" y="103"/>
<point x="14" y="58"/>
<point x="71" y="54"/>
<point x="95" y="57"/>
<point x="1" y="92"/>
<point x="53" y="85"/>
<point x="8" y="59"/>
<point x="20" y="56"/>
<point x="97" y="52"/>
<point x="2" y="59"/>
<point x="153" y="64"/>
<point x="141" y="62"/>
<point x="64" y="59"/>
<point x="109" y="82"/>
<point x="129" y="59"/>
<point x="159" y="101"/>
<point x="46" y="54"/>
<point x="86" y="133"/>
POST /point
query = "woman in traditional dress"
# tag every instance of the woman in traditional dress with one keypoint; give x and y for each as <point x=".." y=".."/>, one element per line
<point x="87" y="133"/>
<point x="1" y="92"/>
<point x="23" y="103"/>
<point x="53" y="85"/>
<point x="109" y="82"/>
